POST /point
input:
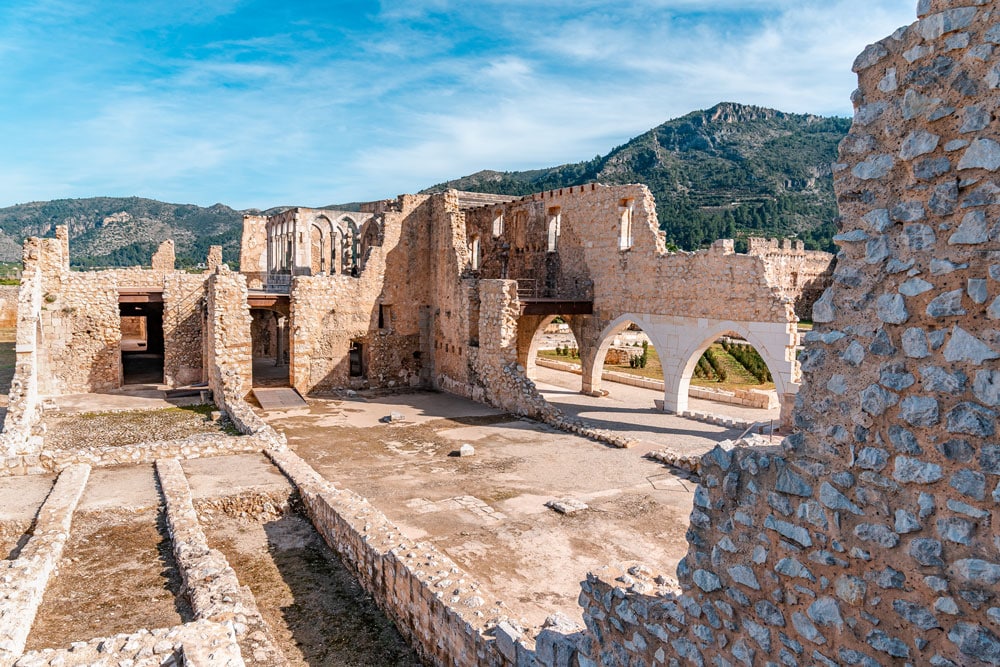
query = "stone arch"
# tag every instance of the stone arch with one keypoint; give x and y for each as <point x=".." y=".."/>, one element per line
<point x="370" y="237"/>
<point x="680" y="341"/>
<point x="321" y="245"/>
<point x="593" y="363"/>
<point x="529" y="339"/>
<point x="683" y="365"/>
<point x="476" y="251"/>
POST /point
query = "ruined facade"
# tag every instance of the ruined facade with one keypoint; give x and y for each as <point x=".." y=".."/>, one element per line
<point x="868" y="537"/>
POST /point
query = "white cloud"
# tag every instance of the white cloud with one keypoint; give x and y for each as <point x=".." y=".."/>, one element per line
<point x="312" y="112"/>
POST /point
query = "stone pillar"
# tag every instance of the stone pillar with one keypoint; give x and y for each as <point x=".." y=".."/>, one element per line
<point x="62" y="236"/>
<point x="164" y="258"/>
<point x="279" y="339"/>
<point x="214" y="258"/>
<point x="229" y="344"/>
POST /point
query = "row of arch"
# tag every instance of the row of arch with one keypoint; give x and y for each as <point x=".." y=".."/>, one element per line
<point x="321" y="245"/>
<point x="678" y="354"/>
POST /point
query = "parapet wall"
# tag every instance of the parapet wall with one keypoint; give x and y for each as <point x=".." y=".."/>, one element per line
<point x="870" y="537"/>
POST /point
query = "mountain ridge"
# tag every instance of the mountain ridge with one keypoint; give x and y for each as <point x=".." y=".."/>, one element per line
<point x="732" y="170"/>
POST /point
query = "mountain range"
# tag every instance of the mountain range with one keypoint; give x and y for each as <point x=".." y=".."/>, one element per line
<point x="725" y="172"/>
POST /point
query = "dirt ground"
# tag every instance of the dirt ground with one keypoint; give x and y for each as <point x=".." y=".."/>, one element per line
<point x="493" y="503"/>
<point x="317" y="611"/>
<point x="117" y="574"/>
<point x="96" y="429"/>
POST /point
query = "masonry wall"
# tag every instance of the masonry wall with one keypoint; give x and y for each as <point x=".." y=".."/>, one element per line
<point x="329" y="312"/>
<point x="870" y="537"/>
<point x="8" y="306"/>
<point x="799" y="274"/>
<point x="183" y="335"/>
<point x="589" y="259"/>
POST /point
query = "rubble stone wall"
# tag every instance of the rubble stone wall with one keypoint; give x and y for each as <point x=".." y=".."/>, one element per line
<point x="23" y="580"/>
<point x="870" y="537"/>
<point x="590" y="259"/>
<point x="229" y="349"/>
<point x="183" y="335"/>
<point x="23" y="409"/>
<point x="329" y="312"/>
<point x="800" y="274"/>
<point x="8" y="306"/>
<point x="444" y="613"/>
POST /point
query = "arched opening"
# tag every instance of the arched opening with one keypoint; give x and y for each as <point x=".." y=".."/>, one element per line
<point x="477" y="253"/>
<point x="269" y="337"/>
<point x="555" y="222"/>
<point x="553" y="346"/>
<point x="317" y="250"/>
<point x="626" y="211"/>
<point x="731" y="373"/>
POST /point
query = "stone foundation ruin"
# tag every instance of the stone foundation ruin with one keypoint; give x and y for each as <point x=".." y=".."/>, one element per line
<point x="867" y="537"/>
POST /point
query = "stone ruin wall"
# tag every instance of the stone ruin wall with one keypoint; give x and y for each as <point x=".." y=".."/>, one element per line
<point x="8" y="306"/>
<point x="253" y="250"/>
<point x="870" y="537"/>
<point x="800" y="274"/>
<point x="183" y="335"/>
<point x="330" y="311"/>
<point x="744" y="287"/>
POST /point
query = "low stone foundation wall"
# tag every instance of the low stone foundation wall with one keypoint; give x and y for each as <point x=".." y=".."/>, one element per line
<point x="445" y="614"/>
<point x="209" y="582"/>
<point x="193" y="447"/>
<point x="201" y="643"/>
<point x="750" y="398"/>
<point x="23" y="581"/>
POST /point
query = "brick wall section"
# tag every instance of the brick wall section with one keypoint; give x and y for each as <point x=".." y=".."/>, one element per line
<point x="23" y="581"/>
<point x="870" y="537"/>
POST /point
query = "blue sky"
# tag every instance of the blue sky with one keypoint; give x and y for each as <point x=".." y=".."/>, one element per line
<point x="257" y="103"/>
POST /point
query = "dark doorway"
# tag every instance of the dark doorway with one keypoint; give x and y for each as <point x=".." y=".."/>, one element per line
<point x="142" y="343"/>
<point x="269" y="335"/>
<point x="357" y="359"/>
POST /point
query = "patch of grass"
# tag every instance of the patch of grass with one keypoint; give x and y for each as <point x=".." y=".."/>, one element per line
<point x="738" y="376"/>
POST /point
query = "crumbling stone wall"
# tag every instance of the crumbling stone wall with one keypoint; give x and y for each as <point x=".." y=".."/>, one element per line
<point x="183" y="314"/>
<point x="253" y="250"/>
<point x="603" y="243"/>
<point x="23" y="409"/>
<point x="870" y="537"/>
<point x="329" y="312"/>
<point x="229" y="353"/>
<point x="800" y="274"/>
<point x="8" y="306"/>
<point x="164" y="258"/>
